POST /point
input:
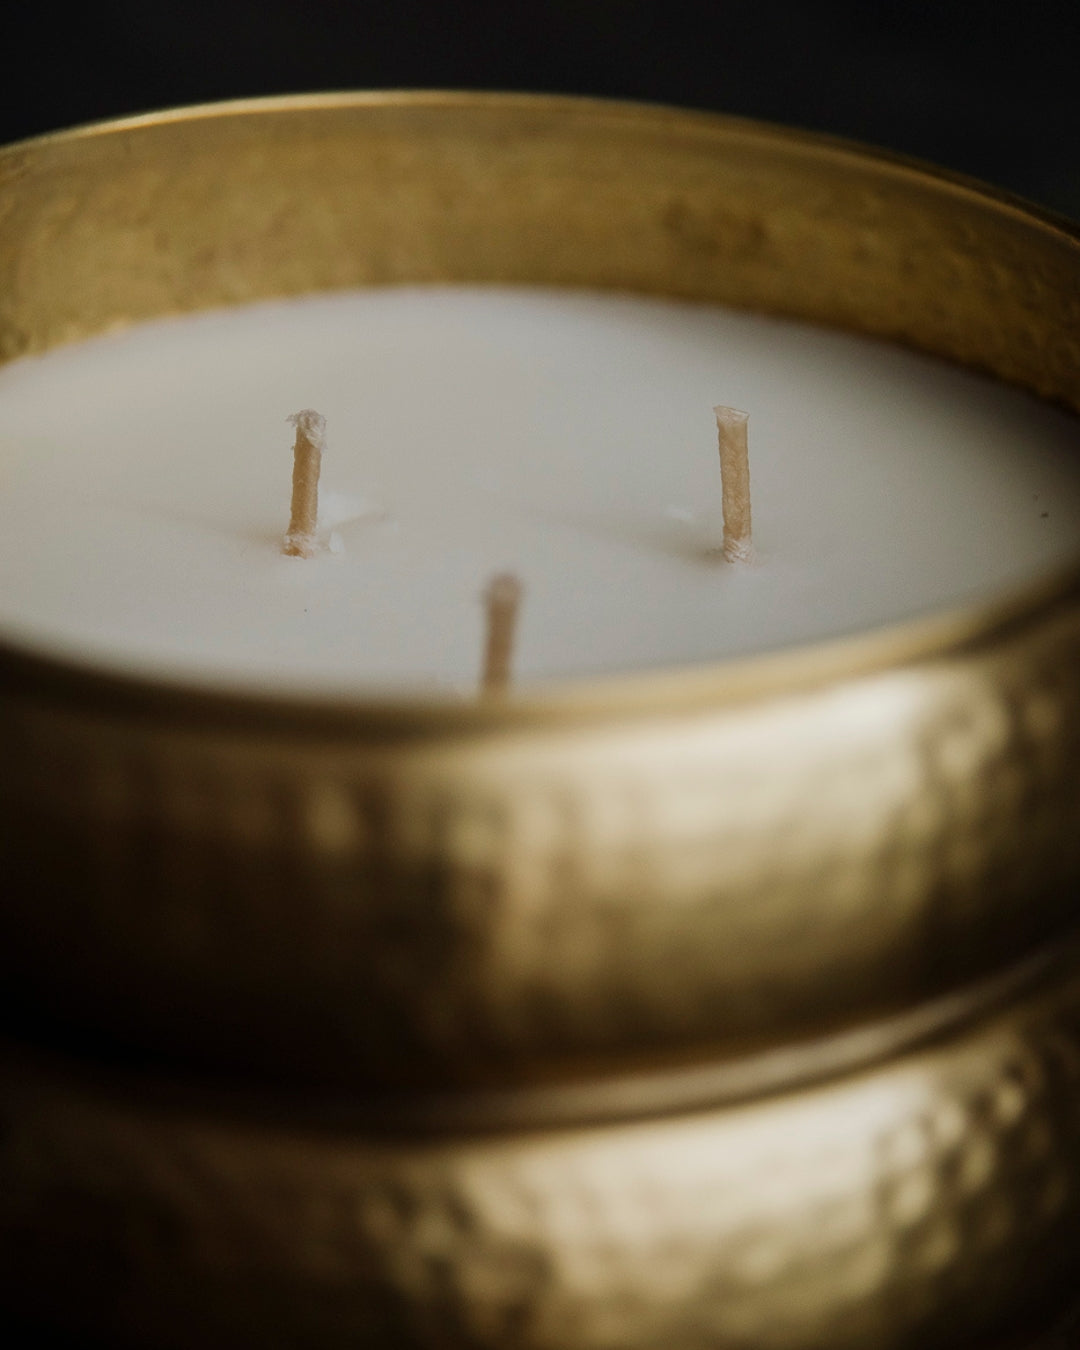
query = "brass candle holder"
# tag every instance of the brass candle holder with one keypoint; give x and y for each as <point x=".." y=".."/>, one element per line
<point x="735" y="1006"/>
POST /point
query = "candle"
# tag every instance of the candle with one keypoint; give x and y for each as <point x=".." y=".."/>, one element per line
<point x="554" y="426"/>
<point x="566" y="437"/>
<point x="761" y="966"/>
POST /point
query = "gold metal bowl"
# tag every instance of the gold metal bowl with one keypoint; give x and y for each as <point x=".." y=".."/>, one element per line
<point x="733" y="1006"/>
<point x="704" y="861"/>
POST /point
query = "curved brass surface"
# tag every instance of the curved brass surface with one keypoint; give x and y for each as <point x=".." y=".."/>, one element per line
<point x="474" y="908"/>
<point x="921" y="1203"/>
<point x="698" y="862"/>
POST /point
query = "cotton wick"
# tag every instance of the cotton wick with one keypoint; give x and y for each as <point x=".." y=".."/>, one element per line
<point x="502" y="599"/>
<point x="301" y="538"/>
<point x="735" y="483"/>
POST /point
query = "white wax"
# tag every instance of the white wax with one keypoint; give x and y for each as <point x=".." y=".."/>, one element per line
<point x="564" y="436"/>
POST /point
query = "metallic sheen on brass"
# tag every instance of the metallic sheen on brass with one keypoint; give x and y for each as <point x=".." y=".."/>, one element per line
<point x="727" y="1007"/>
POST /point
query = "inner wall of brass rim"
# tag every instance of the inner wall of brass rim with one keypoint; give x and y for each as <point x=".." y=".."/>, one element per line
<point x="236" y="203"/>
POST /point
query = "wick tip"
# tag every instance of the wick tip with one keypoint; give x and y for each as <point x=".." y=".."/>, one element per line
<point x="503" y="589"/>
<point x="311" y="423"/>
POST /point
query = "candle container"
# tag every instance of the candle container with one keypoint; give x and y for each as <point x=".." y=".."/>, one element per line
<point x="728" y="1006"/>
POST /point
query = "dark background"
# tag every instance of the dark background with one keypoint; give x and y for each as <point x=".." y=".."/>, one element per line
<point x="988" y="89"/>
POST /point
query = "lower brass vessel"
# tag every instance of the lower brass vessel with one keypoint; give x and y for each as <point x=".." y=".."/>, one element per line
<point x="733" y="1007"/>
<point x="923" y="1199"/>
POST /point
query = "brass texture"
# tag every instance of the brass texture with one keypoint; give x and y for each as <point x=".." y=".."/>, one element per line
<point x="920" y="1202"/>
<point x="706" y="1008"/>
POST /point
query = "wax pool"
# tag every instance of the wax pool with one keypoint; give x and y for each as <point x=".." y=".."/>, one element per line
<point x="567" y="437"/>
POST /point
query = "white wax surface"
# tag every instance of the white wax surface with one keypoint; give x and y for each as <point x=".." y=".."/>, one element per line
<point x="564" y="436"/>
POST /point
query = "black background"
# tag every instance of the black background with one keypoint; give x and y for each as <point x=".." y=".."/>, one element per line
<point x="992" y="90"/>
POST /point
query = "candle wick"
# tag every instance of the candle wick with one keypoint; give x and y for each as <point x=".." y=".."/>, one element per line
<point x="731" y="424"/>
<point x="301" y="538"/>
<point x="502" y="600"/>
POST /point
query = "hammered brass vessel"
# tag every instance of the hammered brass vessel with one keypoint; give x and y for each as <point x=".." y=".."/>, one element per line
<point x="725" y="1007"/>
